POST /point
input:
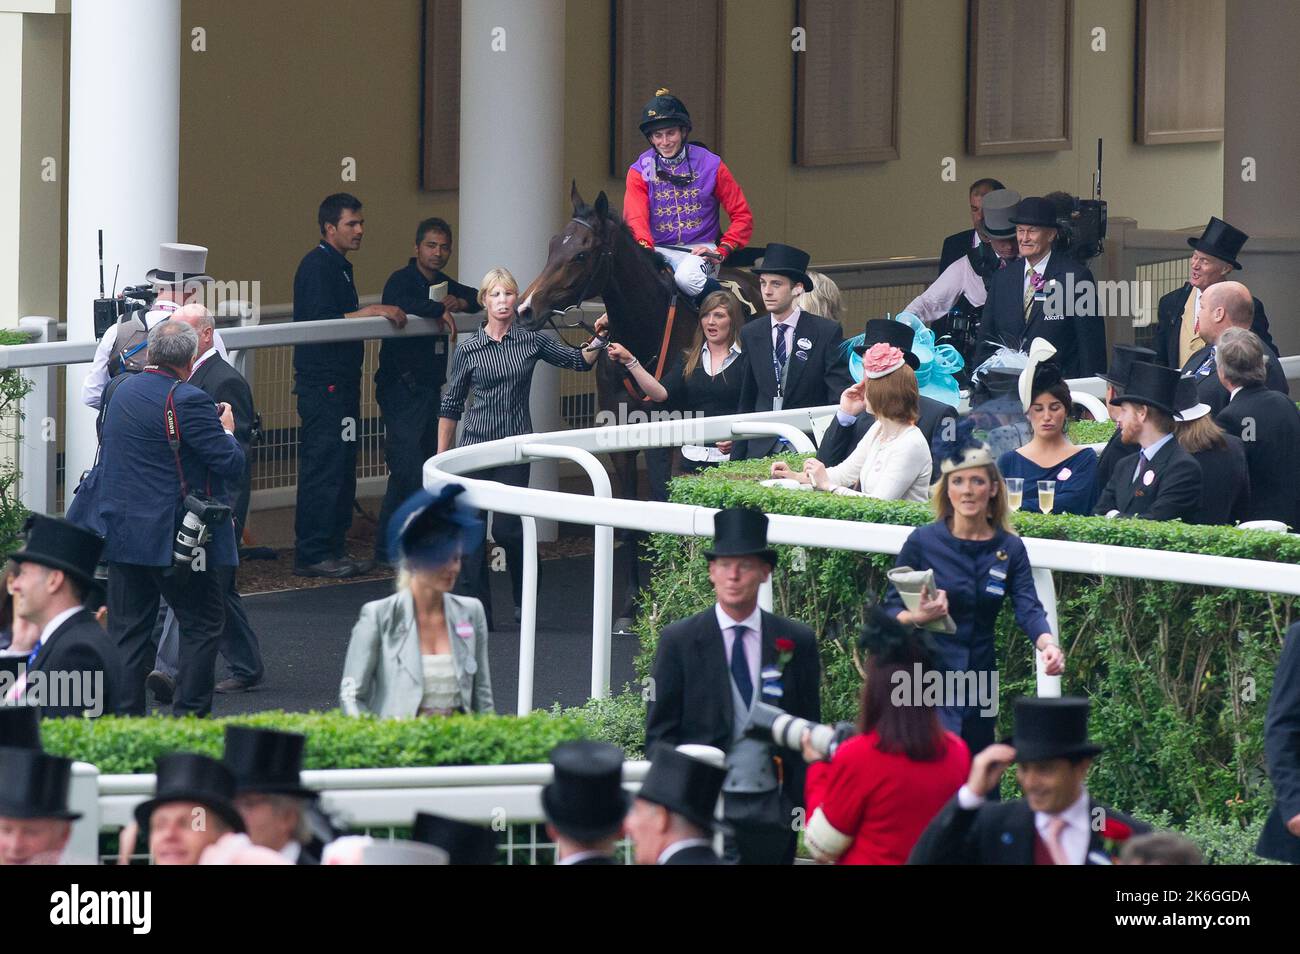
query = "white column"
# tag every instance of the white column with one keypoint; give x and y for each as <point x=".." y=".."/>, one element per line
<point x="123" y="163"/>
<point x="511" y="161"/>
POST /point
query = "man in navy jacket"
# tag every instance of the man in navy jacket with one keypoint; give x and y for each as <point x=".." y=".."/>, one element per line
<point x="145" y="482"/>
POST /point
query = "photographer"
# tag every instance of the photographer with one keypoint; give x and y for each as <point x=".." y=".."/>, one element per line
<point x="165" y="440"/>
<point x="177" y="281"/>
<point x="869" y="802"/>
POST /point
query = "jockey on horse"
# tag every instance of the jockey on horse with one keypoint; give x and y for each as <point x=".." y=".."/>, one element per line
<point x="673" y="192"/>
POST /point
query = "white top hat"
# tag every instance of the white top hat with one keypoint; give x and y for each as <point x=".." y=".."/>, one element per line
<point x="178" y="264"/>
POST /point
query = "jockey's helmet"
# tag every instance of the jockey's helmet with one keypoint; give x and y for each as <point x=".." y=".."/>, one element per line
<point x="663" y="111"/>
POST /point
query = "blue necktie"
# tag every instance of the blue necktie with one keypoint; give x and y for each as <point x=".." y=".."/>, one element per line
<point x="781" y="352"/>
<point x="1207" y="368"/>
<point x="32" y="658"/>
<point x="740" y="665"/>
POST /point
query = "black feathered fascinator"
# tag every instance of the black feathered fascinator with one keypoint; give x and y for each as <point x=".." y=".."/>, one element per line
<point x="889" y="641"/>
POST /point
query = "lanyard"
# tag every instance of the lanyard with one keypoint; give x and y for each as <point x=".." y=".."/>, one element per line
<point x="778" y="371"/>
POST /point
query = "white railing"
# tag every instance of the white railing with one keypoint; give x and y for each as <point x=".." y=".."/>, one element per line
<point x="604" y="514"/>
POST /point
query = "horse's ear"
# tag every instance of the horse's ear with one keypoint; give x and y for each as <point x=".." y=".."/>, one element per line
<point x="574" y="197"/>
<point x="602" y="204"/>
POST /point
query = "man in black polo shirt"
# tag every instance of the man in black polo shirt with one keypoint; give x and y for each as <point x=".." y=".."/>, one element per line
<point x="327" y="380"/>
<point x="408" y="384"/>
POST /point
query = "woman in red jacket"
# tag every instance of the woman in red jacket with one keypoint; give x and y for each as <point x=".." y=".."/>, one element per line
<point x="869" y="804"/>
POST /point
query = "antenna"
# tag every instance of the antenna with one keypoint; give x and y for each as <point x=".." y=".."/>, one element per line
<point x="1096" y="179"/>
<point x="101" y="263"/>
<point x="115" y="271"/>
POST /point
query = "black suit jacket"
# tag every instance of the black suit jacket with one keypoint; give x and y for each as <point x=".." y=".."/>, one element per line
<point x="1169" y="324"/>
<point x="1173" y="494"/>
<point x="816" y="379"/>
<point x="692" y="687"/>
<point x="1210" y="390"/>
<point x="839" y="440"/>
<point x="954" y="247"/>
<point x="1115" y="451"/>
<point x="1078" y="334"/>
<point x="995" y="833"/>
<point x="1282" y="750"/>
<point x="695" y="855"/>
<point x="223" y="383"/>
<point x="80" y="645"/>
<point x="596" y="860"/>
<point x="1225" y="484"/>
<point x="1269" y="426"/>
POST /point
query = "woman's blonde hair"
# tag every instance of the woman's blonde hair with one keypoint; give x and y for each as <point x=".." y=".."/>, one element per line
<point x="717" y="299"/>
<point x="1199" y="435"/>
<point x="999" y="514"/>
<point x="895" y="397"/>
<point x="494" y="277"/>
<point x="822" y="299"/>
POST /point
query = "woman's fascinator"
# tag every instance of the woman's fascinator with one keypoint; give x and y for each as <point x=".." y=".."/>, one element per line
<point x="429" y="529"/>
<point x="890" y="642"/>
<point x="960" y="447"/>
<point x="1040" y="372"/>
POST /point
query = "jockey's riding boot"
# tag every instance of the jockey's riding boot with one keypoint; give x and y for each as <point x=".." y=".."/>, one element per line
<point x="711" y="285"/>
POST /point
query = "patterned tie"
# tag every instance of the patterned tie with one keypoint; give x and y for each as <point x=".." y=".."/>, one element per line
<point x="1029" y="291"/>
<point x="781" y="352"/>
<point x="1055" y="847"/>
<point x="1208" y="367"/>
<point x="740" y="665"/>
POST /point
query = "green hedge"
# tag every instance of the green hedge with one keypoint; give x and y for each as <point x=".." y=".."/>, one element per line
<point x="1179" y="675"/>
<point x="334" y="741"/>
<point x="13" y="387"/>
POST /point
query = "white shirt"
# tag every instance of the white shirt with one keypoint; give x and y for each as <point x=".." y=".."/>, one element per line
<point x="202" y="359"/>
<point x="291" y="850"/>
<point x="1040" y="268"/>
<point x="682" y="846"/>
<point x="1150" y="452"/>
<point x="92" y="389"/>
<point x="706" y="359"/>
<point x="786" y="328"/>
<point x="895" y="470"/>
<point x="1075" y="836"/>
<point x="1233" y="393"/>
<point x="753" y="624"/>
<point x="957" y="279"/>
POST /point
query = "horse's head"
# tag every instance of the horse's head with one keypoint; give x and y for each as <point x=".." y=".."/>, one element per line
<point x="577" y="265"/>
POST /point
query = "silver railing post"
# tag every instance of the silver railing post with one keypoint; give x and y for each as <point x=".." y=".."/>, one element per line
<point x="528" y="618"/>
<point x="1048" y="686"/>
<point x="37" y="435"/>
<point x="83" y="797"/>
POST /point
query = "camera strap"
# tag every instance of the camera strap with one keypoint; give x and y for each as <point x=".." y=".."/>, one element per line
<point x="173" y="424"/>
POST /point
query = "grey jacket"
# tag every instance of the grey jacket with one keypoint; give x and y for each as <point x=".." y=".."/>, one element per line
<point x="382" y="673"/>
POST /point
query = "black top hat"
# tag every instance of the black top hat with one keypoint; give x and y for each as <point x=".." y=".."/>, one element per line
<point x="739" y="531"/>
<point x="664" y="110"/>
<point x="785" y="260"/>
<point x="35" y="785"/>
<point x="586" y="800"/>
<point x="266" y="761"/>
<point x="464" y="843"/>
<point x="684" y="785"/>
<point x="1152" y="384"/>
<point x="1187" y="401"/>
<point x="1122" y="357"/>
<point x="1035" y="210"/>
<point x="1220" y="240"/>
<point x="60" y="545"/>
<point x="190" y="777"/>
<point x="20" y="727"/>
<point x="428" y="529"/>
<point x="889" y="332"/>
<point x="1052" y="729"/>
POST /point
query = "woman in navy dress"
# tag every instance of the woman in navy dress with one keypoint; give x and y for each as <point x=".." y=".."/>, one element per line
<point x="977" y="561"/>
<point x="1050" y="455"/>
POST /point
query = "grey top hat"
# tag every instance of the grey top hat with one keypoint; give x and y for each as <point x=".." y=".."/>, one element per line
<point x="178" y="264"/>
<point x="998" y="206"/>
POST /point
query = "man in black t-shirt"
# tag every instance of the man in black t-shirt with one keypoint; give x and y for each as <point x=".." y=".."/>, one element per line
<point x="327" y="380"/>
<point x="408" y="384"/>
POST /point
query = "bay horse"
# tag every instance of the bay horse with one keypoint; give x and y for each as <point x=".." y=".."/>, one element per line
<point x="595" y="255"/>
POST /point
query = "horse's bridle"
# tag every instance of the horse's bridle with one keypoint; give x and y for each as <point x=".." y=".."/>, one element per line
<point x="603" y="258"/>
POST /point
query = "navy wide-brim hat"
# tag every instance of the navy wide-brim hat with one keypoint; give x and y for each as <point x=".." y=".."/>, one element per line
<point x="190" y="777"/>
<point x="60" y="545"/>
<point x="266" y="761"/>
<point x="1052" y="729"/>
<point x="895" y="333"/>
<point x="34" y="785"/>
<point x="739" y="531"/>
<point x="464" y="843"/>
<point x="785" y="260"/>
<point x="586" y="801"/>
<point x="1035" y="211"/>
<point x="429" y="529"/>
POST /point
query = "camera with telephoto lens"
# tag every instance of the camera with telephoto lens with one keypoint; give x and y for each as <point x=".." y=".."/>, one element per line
<point x="767" y="722"/>
<point x="203" y="514"/>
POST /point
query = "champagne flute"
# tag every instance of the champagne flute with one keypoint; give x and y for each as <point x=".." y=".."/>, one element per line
<point x="1046" y="495"/>
<point x="1015" y="492"/>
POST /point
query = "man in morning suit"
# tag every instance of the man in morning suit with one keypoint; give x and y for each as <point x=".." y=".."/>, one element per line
<point x="1267" y="423"/>
<point x="853" y="420"/>
<point x="1161" y="481"/>
<point x="1214" y="258"/>
<point x="672" y="818"/>
<point x="1122" y="357"/>
<point x="145" y="483"/>
<point x="63" y="650"/>
<point x="710" y="670"/>
<point x="959" y="243"/>
<point x="1225" y="305"/>
<point x="269" y="795"/>
<point x="1056" y="823"/>
<point x="1046" y="298"/>
<point x="1280" y="839"/>
<point x="795" y="359"/>
<point x="585" y="803"/>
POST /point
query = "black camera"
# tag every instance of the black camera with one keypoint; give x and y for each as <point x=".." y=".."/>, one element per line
<point x="1081" y="227"/>
<point x="109" y="311"/>
<point x="203" y="514"/>
<point x="767" y="722"/>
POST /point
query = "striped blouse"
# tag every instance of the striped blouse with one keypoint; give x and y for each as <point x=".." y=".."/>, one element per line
<point x="501" y="374"/>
